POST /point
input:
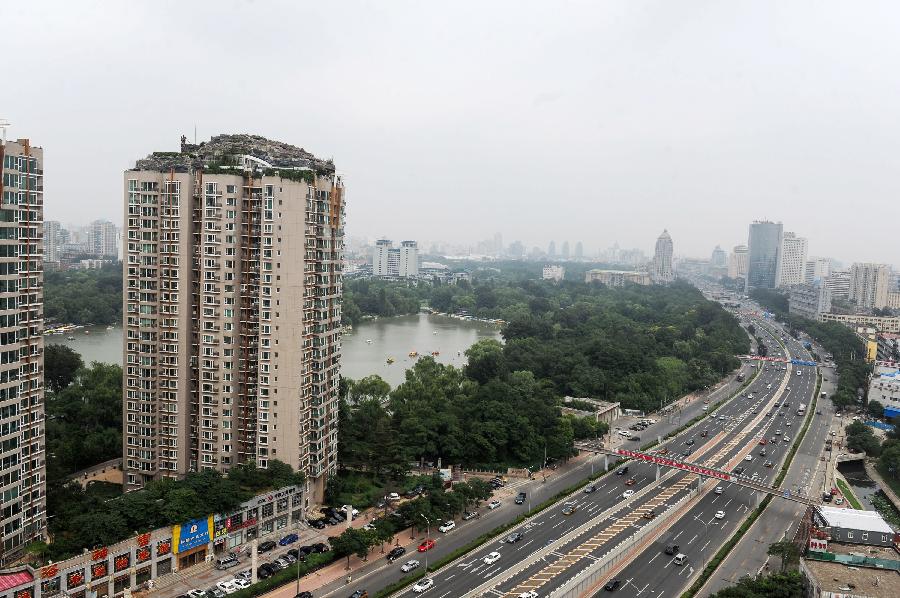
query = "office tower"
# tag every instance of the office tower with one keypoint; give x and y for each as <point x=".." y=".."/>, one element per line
<point x="661" y="270"/>
<point x="838" y="282"/>
<point x="21" y="324"/>
<point x="551" y="250"/>
<point x="869" y="285"/>
<point x="792" y="261"/>
<point x="52" y="240"/>
<point x="764" y="251"/>
<point x="232" y="310"/>
<point x="579" y="250"/>
<point x="817" y="269"/>
<point x="565" y="250"/>
<point x="392" y="262"/>
<point x="737" y="262"/>
<point x="718" y="258"/>
<point x="498" y="244"/>
<point x="102" y="239"/>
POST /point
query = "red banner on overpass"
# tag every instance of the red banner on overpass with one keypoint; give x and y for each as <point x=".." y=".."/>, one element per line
<point x="659" y="460"/>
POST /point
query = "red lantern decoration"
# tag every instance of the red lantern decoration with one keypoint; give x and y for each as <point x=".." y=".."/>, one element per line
<point x="142" y="554"/>
<point x="99" y="570"/>
<point x="75" y="578"/>
<point x="121" y="562"/>
<point x="100" y="553"/>
<point x="163" y="547"/>
<point x="143" y="540"/>
<point x="49" y="571"/>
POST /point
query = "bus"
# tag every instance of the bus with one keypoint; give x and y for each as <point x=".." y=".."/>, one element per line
<point x="801" y="409"/>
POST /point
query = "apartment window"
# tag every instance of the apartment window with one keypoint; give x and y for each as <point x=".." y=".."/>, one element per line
<point x="865" y="536"/>
<point x="849" y="535"/>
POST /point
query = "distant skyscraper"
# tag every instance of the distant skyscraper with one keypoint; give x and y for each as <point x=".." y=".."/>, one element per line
<point x="764" y="252"/>
<point x="565" y="250"/>
<point x="792" y="261"/>
<point x="551" y="250"/>
<point x="869" y="285"/>
<point x="662" y="260"/>
<point x="392" y="262"/>
<point x="52" y="240"/>
<point x="516" y="249"/>
<point x="498" y="244"/>
<point x="579" y="250"/>
<point x="102" y="237"/>
<point x="737" y="262"/>
<point x="817" y="269"/>
<point x="23" y="450"/>
<point x="717" y="260"/>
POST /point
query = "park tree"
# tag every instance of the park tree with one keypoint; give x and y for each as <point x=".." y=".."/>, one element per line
<point x="787" y="551"/>
<point x="61" y="364"/>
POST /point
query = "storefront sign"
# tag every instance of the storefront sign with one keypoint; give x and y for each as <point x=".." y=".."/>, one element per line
<point x="276" y="495"/>
<point x="249" y="523"/>
<point x="191" y="534"/>
<point x="818" y="545"/>
<point x="704" y="471"/>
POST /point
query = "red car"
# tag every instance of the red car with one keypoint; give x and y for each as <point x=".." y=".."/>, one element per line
<point x="427" y="544"/>
<point x="762" y="440"/>
<point x="630" y="482"/>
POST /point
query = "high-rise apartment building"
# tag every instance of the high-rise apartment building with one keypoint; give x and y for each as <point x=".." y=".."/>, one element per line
<point x="764" y="252"/>
<point x="52" y="240"/>
<point x="869" y="285"/>
<point x="22" y="456"/>
<point x="661" y="268"/>
<point x="838" y="282"/>
<point x="737" y="262"/>
<point x="395" y="262"/>
<point x="103" y="238"/>
<point x="792" y="260"/>
<point x="817" y="269"/>
<point x="718" y="258"/>
<point x="579" y="250"/>
<point x="232" y="310"/>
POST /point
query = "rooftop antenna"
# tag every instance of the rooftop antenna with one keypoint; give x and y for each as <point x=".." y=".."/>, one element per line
<point x="3" y="124"/>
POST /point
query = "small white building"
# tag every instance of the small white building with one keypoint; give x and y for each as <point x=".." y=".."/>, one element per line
<point x="554" y="273"/>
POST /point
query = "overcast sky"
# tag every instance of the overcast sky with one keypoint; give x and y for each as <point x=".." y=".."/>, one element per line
<point x="595" y="121"/>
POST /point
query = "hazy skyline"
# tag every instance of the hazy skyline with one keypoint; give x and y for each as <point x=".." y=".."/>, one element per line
<point x="601" y="122"/>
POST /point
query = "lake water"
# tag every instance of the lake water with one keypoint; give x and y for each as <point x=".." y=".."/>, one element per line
<point x="391" y="337"/>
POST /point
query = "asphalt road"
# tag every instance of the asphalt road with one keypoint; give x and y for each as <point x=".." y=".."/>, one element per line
<point x="603" y="531"/>
<point x="699" y="533"/>
<point x="781" y="517"/>
<point x="379" y="574"/>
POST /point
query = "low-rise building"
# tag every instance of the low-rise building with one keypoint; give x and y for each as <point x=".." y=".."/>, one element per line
<point x="617" y="278"/>
<point x="604" y="411"/>
<point x="880" y="324"/>
<point x="110" y="570"/>
<point x="851" y="571"/>
<point x="884" y="387"/>
<point x="554" y="273"/>
<point x="854" y="527"/>
<point x="809" y="300"/>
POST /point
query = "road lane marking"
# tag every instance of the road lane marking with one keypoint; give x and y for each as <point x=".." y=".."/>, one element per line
<point x="653" y="559"/>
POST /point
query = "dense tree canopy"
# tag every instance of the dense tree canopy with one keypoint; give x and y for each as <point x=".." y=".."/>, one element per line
<point x="61" y="363"/>
<point x="84" y="296"/>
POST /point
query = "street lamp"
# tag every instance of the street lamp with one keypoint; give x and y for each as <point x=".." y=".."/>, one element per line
<point x="427" y="537"/>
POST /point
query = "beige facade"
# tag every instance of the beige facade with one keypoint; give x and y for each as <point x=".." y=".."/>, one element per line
<point x="232" y="310"/>
<point x="22" y="471"/>
<point x="880" y="324"/>
<point x="869" y="285"/>
<point x="617" y="278"/>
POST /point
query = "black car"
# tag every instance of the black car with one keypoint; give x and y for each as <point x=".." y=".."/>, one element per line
<point x="320" y="548"/>
<point x="304" y="595"/>
<point x="513" y="537"/>
<point x="612" y="584"/>
<point x="396" y="553"/>
<point x="317" y="523"/>
<point x="622" y="471"/>
<point x="265" y="571"/>
<point x="672" y="548"/>
<point x="266" y="546"/>
<point x="738" y="470"/>
<point x="520" y="498"/>
<point x="359" y="594"/>
<point x="303" y="551"/>
<point x="333" y="521"/>
<point x="690" y="442"/>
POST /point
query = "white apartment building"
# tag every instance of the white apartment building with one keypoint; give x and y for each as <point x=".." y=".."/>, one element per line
<point x="817" y="269"/>
<point x="232" y="310"/>
<point x="22" y="452"/>
<point x="553" y="272"/>
<point x="792" y="260"/>
<point x="395" y="262"/>
<point x="884" y="387"/>
<point x="838" y="282"/>
<point x="103" y="239"/>
<point x="737" y="262"/>
<point x="661" y="268"/>
<point x="809" y="300"/>
<point x="869" y="285"/>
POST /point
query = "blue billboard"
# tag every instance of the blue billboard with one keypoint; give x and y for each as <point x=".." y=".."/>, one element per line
<point x="191" y="534"/>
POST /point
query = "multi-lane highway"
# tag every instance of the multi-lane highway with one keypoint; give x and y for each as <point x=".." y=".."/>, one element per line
<point x="555" y="544"/>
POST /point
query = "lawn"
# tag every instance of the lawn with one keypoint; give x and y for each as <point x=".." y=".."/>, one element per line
<point x="848" y="494"/>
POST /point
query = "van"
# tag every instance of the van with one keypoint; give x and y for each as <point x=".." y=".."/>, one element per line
<point x="680" y="558"/>
<point x="226" y="562"/>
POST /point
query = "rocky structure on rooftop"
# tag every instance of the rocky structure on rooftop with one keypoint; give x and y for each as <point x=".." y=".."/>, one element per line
<point x="225" y="151"/>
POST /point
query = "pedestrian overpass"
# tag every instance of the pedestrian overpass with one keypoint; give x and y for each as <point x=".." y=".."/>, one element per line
<point x="701" y="470"/>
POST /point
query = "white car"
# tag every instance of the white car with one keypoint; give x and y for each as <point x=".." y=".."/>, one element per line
<point x="355" y="511"/>
<point x="628" y="493"/>
<point x="196" y="593"/>
<point x="624" y="433"/>
<point x="748" y="458"/>
<point x="788" y="424"/>
<point x="492" y="558"/>
<point x="493" y="504"/>
<point x="423" y="585"/>
<point x="242" y="583"/>
<point x="720" y="514"/>
<point x="393" y="496"/>
<point x="228" y="586"/>
<point x="447" y="526"/>
<point x="719" y="490"/>
<point x="705" y="407"/>
<point x="409" y="566"/>
<point x="529" y="594"/>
